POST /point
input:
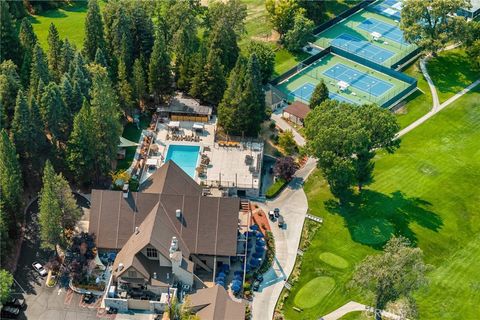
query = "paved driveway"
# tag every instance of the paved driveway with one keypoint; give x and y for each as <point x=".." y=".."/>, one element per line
<point x="42" y="302"/>
<point x="293" y="207"/>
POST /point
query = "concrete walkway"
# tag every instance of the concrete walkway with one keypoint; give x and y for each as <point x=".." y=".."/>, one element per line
<point x="423" y="68"/>
<point x="434" y="110"/>
<point x="282" y="124"/>
<point x="355" y="306"/>
<point x="293" y="207"/>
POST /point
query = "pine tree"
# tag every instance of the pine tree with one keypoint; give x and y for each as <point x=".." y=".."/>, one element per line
<point x="9" y="85"/>
<point x="124" y="88"/>
<point x="39" y="71"/>
<point x="21" y="131"/>
<point x="10" y="179"/>
<point x="54" y="112"/>
<point x="40" y="147"/>
<point x="100" y="58"/>
<point x="142" y="31"/>
<point x="80" y="76"/>
<point x="81" y="147"/>
<point x="197" y="81"/>
<point x="58" y="211"/>
<point x="66" y="91"/>
<point x="3" y="116"/>
<point x="159" y="73"/>
<point x="77" y="96"/>
<point x="243" y="105"/>
<point x="224" y="38"/>
<point x="94" y="38"/>
<point x="67" y="56"/>
<point x="139" y="86"/>
<point x="9" y="43"/>
<point x="212" y="84"/>
<point x="320" y="94"/>
<point x="54" y="52"/>
<point x="28" y="40"/>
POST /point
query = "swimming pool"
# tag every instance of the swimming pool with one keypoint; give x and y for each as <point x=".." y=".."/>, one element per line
<point x="184" y="156"/>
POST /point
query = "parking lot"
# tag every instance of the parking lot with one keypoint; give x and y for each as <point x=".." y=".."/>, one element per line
<point x="43" y="302"/>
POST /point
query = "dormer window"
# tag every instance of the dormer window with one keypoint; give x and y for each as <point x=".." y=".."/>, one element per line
<point x="152" y="253"/>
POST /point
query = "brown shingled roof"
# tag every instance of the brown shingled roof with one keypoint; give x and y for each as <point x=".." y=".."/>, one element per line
<point x="298" y="109"/>
<point x="208" y="225"/>
<point x="215" y="304"/>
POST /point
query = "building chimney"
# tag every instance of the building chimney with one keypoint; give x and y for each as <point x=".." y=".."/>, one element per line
<point x="178" y="213"/>
<point x="125" y="190"/>
<point x="173" y="245"/>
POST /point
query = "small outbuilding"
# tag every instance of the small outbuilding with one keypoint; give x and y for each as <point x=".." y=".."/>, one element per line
<point x="296" y="112"/>
<point x="185" y="108"/>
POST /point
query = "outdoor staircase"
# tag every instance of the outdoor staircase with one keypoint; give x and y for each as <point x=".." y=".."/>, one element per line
<point x="245" y="205"/>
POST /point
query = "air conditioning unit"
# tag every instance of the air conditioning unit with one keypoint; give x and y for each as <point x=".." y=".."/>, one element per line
<point x="178" y="213"/>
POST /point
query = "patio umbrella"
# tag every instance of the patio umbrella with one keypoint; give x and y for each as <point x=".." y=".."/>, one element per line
<point x="221" y="275"/>
<point x="258" y="255"/>
<point x="260" y="249"/>
<point x="261" y="243"/>
<point x="220" y="283"/>
<point x="254" y="263"/>
<point x="236" y="288"/>
<point x="225" y="268"/>
<point x="238" y="277"/>
<point x="259" y="235"/>
<point x="236" y="282"/>
<point x="254" y="227"/>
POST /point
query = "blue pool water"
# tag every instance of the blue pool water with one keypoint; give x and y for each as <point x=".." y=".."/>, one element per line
<point x="184" y="156"/>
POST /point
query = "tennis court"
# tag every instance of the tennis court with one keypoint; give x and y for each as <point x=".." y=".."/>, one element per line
<point x="386" y="30"/>
<point x="388" y="8"/>
<point x="362" y="48"/>
<point x="362" y="81"/>
<point x="354" y="35"/>
<point x="365" y="85"/>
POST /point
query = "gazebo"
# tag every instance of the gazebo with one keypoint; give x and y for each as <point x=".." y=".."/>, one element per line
<point x="376" y="35"/>
<point x="343" y="85"/>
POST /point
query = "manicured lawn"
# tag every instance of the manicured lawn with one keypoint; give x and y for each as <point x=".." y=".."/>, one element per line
<point x="69" y="20"/>
<point x="132" y="133"/>
<point x="419" y="103"/>
<point x="451" y="71"/>
<point x="275" y="188"/>
<point x="427" y="191"/>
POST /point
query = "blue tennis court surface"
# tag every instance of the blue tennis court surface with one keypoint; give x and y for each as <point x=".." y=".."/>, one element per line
<point x="340" y="98"/>
<point x="362" y="48"/>
<point x="304" y="92"/>
<point x="359" y="80"/>
<point x="386" y="30"/>
<point x="388" y="8"/>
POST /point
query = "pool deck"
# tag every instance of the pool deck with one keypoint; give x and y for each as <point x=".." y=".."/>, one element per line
<point x="228" y="164"/>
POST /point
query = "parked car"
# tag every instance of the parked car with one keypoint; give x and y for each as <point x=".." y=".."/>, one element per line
<point x="271" y="215"/>
<point x="281" y="222"/>
<point x="15" y="302"/>
<point x="256" y="285"/>
<point x="276" y="212"/>
<point x="9" y="312"/>
<point x="39" y="268"/>
<point x="88" y="298"/>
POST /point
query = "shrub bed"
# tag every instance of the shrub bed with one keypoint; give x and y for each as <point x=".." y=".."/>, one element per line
<point x="276" y="188"/>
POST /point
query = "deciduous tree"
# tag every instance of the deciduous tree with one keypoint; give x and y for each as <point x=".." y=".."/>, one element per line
<point x="344" y="139"/>
<point x="285" y="168"/>
<point x="432" y="24"/>
<point x="300" y="33"/>
<point x="396" y="273"/>
<point x="281" y="14"/>
<point x="6" y="282"/>
<point x="287" y="141"/>
<point x="265" y="56"/>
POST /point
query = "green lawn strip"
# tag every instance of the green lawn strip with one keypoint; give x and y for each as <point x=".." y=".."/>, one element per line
<point x="132" y="133"/>
<point x="69" y="20"/>
<point x="428" y="192"/>
<point x="451" y="72"/>
<point x="420" y="102"/>
<point x="275" y="188"/>
<point x="355" y="315"/>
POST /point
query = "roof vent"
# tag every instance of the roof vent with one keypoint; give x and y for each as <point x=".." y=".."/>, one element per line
<point x="120" y="266"/>
<point x="178" y="213"/>
<point x="154" y="275"/>
<point x="137" y="230"/>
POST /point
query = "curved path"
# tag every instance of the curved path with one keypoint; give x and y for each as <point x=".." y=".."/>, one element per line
<point x="353" y="306"/>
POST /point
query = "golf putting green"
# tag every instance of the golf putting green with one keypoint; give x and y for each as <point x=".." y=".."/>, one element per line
<point x="373" y="231"/>
<point x="333" y="260"/>
<point x="314" y="292"/>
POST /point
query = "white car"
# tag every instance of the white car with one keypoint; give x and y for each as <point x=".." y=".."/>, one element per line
<point x="39" y="268"/>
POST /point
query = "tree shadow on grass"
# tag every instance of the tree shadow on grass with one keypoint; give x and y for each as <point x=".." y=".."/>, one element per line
<point x="373" y="217"/>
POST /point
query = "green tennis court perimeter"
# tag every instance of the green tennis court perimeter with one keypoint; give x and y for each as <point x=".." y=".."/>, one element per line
<point x="300" y="85"/>
<point x="351" y="35"/>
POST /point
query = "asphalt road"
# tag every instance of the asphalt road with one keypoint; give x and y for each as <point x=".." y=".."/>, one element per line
<point x="44" y="303"/>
